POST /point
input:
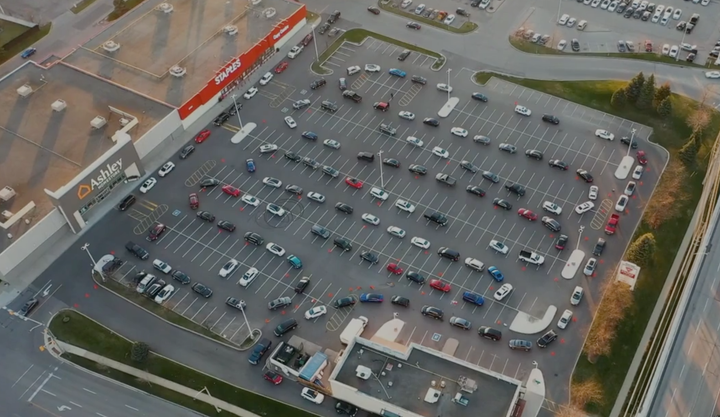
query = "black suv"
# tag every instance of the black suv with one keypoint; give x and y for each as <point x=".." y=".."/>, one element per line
<point x="415" y="277"/>
<point x="502" y="203"/>
<point x="418" y="79"/>
<point x="302" y="284"/>
<point x="254" y="238"/>
<point x="366" y="156"/>
<point x="329" y="106"/>
<point x="369" y="256"/>
<point x="599" y="247"/>
<point x="186" y="151"/>
<point x="259" y="351"/>
<point x="547" y="338"/>
<point x="515" y="188"/>
<point x="437" y="217"/>
<point x="401" y="301"/>
<point x="433" y="312"/>
<point x="126" y="202"/>
<point x="334" y="17"/>
<point x="404" y="55"/>
<point x="344" y="302"/>
<point x="448" y="253"/>
<point x="344" y="408"/>
<point x="550" y="119"/>
<point x="535" y="154"/>
<point x="137" y="250"/>
<point x="626" y="141"/>
<point x="317" y="83"/>
<point x="181" y="277"/>
<point x="222" y="118"/>
<point x="343" y="244"/>
<point x="293" y="156"/>
<point x="490" y="333"/>
<point x="206" y="215"/>
<point x="551" y="223"/>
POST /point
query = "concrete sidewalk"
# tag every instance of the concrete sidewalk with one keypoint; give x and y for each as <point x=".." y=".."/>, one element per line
<point x="67" y="348"/>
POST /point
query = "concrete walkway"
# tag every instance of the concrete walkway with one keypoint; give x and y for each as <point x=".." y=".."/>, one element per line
<point x="67" y="348"/>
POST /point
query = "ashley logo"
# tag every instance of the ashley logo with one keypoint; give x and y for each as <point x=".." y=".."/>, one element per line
<point x="105" y="174"/>
<point x="227" y="71"/>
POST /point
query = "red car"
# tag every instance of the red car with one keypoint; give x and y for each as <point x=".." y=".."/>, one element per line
<point x="200" y="138"/>
<point x="194" y="201"/>
<point x="273" y="377"/>
<point x="354" y="182"/>
<point x="641" y="158"/>
<point x="156" y="232"/>
<point x="229" y="189"/>
<point x="395" y="269"/>
<point x="281" y="67"/>
<point x="440" y="285"/>
<point x="527" y="214"/>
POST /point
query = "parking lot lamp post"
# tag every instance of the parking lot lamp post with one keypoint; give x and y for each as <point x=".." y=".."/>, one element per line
<point x="580" y="231"/>
<point x="382" y="180"/>
<point x="448" y="72"/>
<point x="86" y="248"/>
<point x="557" y="19"/>
<point x="317" y="56"/>
<point x="632" y="138"/>
<point x="246" y="322"/>
<point x="237" y="111"/>
<point x="682" y="41"/>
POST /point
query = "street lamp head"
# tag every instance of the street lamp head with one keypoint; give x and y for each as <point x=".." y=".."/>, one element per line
<point x="85" y="246"/>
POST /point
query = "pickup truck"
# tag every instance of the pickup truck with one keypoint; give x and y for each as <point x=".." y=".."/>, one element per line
<point x="352" y="96"/>
<point x="531" y="257"/>
<point x="612" y="224"/>
<point x="446" y="179"/>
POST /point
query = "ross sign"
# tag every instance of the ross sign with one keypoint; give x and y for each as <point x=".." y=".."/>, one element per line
<point x="228" y="70"/>
<point x="104" y="176"/>
<point x="628" y="273"/>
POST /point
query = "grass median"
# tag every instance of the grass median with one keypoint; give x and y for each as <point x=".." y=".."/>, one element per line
<point x="671" y="133"/>
<point x="12" y="44"/>
<point x="466" y="27"/>
<point x="76" y="329"/>
<point x="81" y="5"/>
<point x="358" y="36"/>
<point x="122" y="8"/>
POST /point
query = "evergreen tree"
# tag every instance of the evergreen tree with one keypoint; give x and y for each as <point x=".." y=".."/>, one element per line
<point x="688" y="153"/>
<point x="665" y="107"/>
<point x="634" y="88"/>
<point x="661" y="94"/>
<point x="647" y="93"/>
<point x="642" y="250"/>
<point x="619" y="99"/>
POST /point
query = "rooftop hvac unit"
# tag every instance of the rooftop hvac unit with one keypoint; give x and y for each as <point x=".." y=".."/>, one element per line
<point x="98" y="122"/>
<point x="59" y="105"/>
<point x="7" y="214"/>
<point x="25" y="90"/>
<point x="363" y="372"/>
<point x="7" y="193"/>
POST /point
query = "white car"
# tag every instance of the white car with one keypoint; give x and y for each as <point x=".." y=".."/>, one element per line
<point x="250" y="93"/>
<point x="522" y="110"/>
<point x="604" y="134"/>
<point x="165" y="169"/>
<point x="449" y="19"/>
<point x="593" y="193"/>
<point x="312" y="195"/>
<point x="665" y="19"/>
<point x="656" y="17"/>
<point x="499" y="247"/>
<point x="563" y="19"/>
<point x="164" y="294"/>
<point x="266" y="78"/>
<point x="290" y="122"/>
<point x="369" y="218"/>
<point x="331" y="143"/>
<point x="148" y="185"/>
<point x="372" y="68"/>
<point x="630" y="188"/>
<point x="406" y="115"/>
<point x="484" y="4"/>
<point x="613" y="5"/>
<point x="268" y="147"/>
<point x="248" y="277"/>
<point x="162" y="266"/>
<point x="576" y="296"/>
<point x="229" y="268"/>
<point x="590" y="267"/>
<point x="475" y="264"/>
<point x="312" y="396"/>
<point x="674" y="51"/>
<point x="503" y="292"/>
<point x="605" y="4"/>
<point x="552" y="207"/>
<point x="396" y="231"/>
<point x="621" y="203"/>
<point x="637" y="173"/>
<point x="442" y="153"/>
<point x="415" y="141"/>
<point x="666" y="49"/>
<point x="584" y="207"/>
<point x="595" y="3"/>
<point x="420" y="242"/>
<point x="315" y="312"/>
<point x="660" y="9"/>
<point x="571" y="22"/>
<point x="704" y="2"/>
<point x="275" y="249"/>
<point x="565" y="319"/>
<point x="668" y="12"/>
<point x="405" y="4"/>
<point x="250" y="200"/>
<point x="405" y="206"/>
<point x="459" y="131"/>
<point x="676" y="14"/>
<point x="379" y="193"/>
<point x="353" y="70"/>
<point x="295" y="51"/>
<point x="561" y="45"/>
<point x="274" y="209"/>
<point x="273" y="182"/>
<point x="444" y="87"/>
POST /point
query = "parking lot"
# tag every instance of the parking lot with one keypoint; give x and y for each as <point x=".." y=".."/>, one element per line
<point x="200" y="249"/>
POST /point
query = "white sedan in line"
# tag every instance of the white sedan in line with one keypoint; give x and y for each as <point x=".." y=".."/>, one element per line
<point x="666" y="49"/>
<point x="148" y="185"/>
<point x="312" y="395"/>
<point x="266" y="78"/>
<point x="415" y="141"/>
<point x="275" y="210"/>
<point x="552" y="207"/>
<point x="442" y="153"/>
<point x="604" y="134"/>
<point x="275" y="249"/>
<point x="565" y="319"/>
<point x="584" y="207"/>
<point x="406" y="115"/>
<point x="248" y="277"/>
<point x="312" y="195"/>
<point x="295" y="51"/>
<point x="522" y="110"/>
<point x="372" y="68"/>
<point x="250" y="93"/>
<point x="290" y="122"/>
<point x="268" y="147"/>
<point x="379" y="193"/>
<point x="165" y="169"/>
<point x="459" y="131"/>
<point x="405" y="206"/>
<point x="561" y="45"/>
<point x="315" y="312"/>
<point x="499" y="247"/>
<point x="369" y="218"/>
<point x="250" y="200"/>
<point x="593" y="193"/>
<point x="712" y="74"/>
<point x="503" y="292"/>
<point x="396" y="231"/>
<point x="674" y="50"/>
<point x="331" y="143"/>
<point x="444" y="87"/>
<point x="272" y="182"/>
<point x="420" y="242"/>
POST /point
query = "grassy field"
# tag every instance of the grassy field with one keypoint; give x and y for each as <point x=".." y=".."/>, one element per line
<point x="30" y="37"/>
<point x="359" y="35"/>
<point x="89" y="335"/>
<point x="120" y="11"/>
<point x="81" y="5"/>
<point x="311" y="17"/>
<point x="10" y="31"/>
<point x="466" y="27"/>
<point x="670" y="133"/>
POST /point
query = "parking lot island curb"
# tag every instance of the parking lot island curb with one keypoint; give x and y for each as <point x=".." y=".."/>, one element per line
<point x="524" y="323"/>
<point x="243" y="132"/>
<point x="448" y="107"/>
<point x="624" y="167"/>
<point x="573" y="264"/>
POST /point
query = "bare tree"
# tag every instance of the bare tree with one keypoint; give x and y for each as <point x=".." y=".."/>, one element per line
<point x="663" y="206"/>
<point x="587" y="392"/>
<point x="569" y="411"/>
<point x="616" y="299"/>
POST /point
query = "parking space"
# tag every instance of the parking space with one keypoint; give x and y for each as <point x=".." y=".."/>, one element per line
<point x="373" y="50"/>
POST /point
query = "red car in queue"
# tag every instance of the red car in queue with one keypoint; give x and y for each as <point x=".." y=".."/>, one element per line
<point x="229" y="189"/>
<point x="200" y="138"/>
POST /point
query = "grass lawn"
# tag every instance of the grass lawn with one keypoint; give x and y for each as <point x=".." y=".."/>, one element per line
<point x="81" y="5"/>
<point x="670" y="133"/>
<point x="120" y="11"/>
<point x="359" y="35"/>
<point x="89" y="335"/>
<point x="10" y="31"/>
<point x="310" y="16"/>
<point x="29" y="38"/>
<point x="466" y="27"/>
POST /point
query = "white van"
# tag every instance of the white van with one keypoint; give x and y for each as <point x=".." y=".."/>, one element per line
<point x="145" y="283"/>
<point x="582" y="25"/>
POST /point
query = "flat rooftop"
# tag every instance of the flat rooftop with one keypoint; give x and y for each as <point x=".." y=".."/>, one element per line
<point x="411" y="381"/>
<point x="42" y="148"/>
<point x="191" y="36"/>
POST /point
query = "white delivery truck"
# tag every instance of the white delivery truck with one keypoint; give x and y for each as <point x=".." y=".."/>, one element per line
<point x="354" y="328"/>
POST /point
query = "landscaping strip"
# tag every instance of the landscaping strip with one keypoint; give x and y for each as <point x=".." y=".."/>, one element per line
<point x="358" y="36"/>
<point x="23" y="41"/>
<point x="311" y="16"/>
<point x="466" y="27"/>
<point x="76" y="329"/>
<point x="672" y="133"/>
<point x="81" y="5"/>
<point x="121" y="8"/>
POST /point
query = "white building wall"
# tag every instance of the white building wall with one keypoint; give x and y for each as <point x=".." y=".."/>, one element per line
<point x="26" y="244"/>
<point x="200" y="111"/>
<point x="279" y="44"/>
<point x="153" y="137"/>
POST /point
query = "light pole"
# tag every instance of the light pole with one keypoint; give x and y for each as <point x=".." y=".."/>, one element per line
<point x="237" y="111"/>
<point x="580" y="231"/>
<point x="677" y="56"/>
<point x="632" y="139"/>
<point x="86" y="248"/>
<point x="448" y="83"/>
<point x="317" y="56"/>
<point x="382" y="180"/>
<point x="558" y="13"/>
<point x="246" y="322"/>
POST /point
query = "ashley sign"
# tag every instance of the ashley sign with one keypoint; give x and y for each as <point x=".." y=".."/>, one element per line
<point x="227" y="71"/>
<point x="282" y="32"/>
<point x="104" y="176"/>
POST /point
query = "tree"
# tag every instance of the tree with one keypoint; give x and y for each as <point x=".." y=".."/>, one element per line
<point x="569" y="411"/>
<point x="642" y="250"/>
<point x="699" y="119"/>
<point x="586" y="392"/>
<point x="139" y="351"/>
<point x="688" y="153"/>
<point x="634" y="87"/>
<point x="663" y="206"/>
<point x="665" y="107"/>
<point x="647" y="93"/>
<point x="619" y="98"/>
<point x="661" y="94"/>
<point x="617" y="297"/>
